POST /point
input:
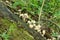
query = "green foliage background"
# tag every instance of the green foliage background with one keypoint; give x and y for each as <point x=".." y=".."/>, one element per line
<point x="50" y="11"/>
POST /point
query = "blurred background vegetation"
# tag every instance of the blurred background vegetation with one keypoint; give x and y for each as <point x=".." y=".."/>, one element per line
<point x="50" y="17"/>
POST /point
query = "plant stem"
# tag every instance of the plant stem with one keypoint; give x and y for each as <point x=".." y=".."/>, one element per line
<point x="41" y="11"/>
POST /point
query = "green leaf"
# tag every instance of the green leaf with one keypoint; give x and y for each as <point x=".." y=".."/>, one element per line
<point x="57" y="14"/>
<point x="55" y="34"/>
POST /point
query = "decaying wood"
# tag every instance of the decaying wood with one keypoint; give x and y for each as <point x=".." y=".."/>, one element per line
<point x="6" y="13"/>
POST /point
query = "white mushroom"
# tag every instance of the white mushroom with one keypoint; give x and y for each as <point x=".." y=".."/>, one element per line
<point x="39" y="26"/>
<point x="29" y="22"/>
<point x="48" y="39"/>
<point x="31" y="26"/>
<point x="33" y="21"/>
<point x="7" y="1"/>
<point x="43" y="32"/>
<point x="36" y="28"/>
<point x="26" y="15"/>
<point x="19" y="10"/>
<point x="21" y="15"/>
<point x="34" y="25"/>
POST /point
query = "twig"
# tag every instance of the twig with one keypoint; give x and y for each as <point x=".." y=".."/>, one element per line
<point x="41" y="11"/>
<point x="54" y="23"/>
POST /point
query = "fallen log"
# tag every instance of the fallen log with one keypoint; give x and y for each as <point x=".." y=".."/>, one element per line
<point x="6" y="13"/>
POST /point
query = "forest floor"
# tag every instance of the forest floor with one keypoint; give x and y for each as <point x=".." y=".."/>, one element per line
<point x="12" y="28"/>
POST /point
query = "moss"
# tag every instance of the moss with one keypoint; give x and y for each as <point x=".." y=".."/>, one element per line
<point x="13" y="31"/>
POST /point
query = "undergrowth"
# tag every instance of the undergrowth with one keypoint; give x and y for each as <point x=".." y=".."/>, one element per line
<point x="50" y="10"/>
